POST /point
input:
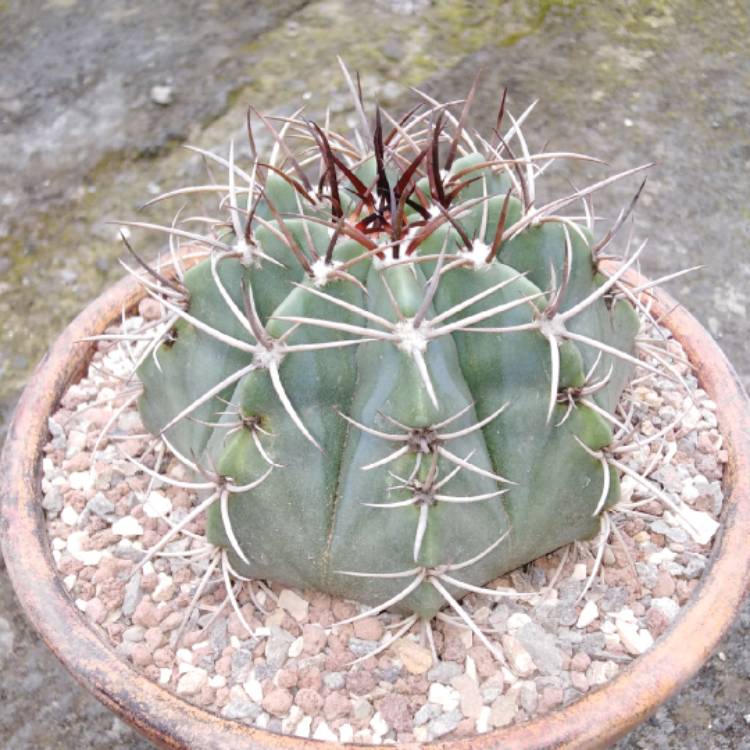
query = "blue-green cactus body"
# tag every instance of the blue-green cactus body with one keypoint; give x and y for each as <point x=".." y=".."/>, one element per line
<point x="341" y="429"/>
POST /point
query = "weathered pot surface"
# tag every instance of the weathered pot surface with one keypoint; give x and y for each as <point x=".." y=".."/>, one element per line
<point x="594" y="721"/>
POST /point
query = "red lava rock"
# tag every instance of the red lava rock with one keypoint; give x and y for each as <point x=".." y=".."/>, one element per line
<point x="656" y="621"/>
<point x="580" y="662"/>
<point x="106" y="570"/>
<point x="343" y="610"/>
<point x="396" y="712"/>
<point x="79" y="462"/>
<point x="579" y="681"/>
<point x="286" y="678"/>
<point x="141" y="655"/>
<point x="85" y="589"/>
<point x="453" y="649"/>
<point x="96" y="611"/>
<point x="206" y="697"/>
<point x="336" y="705"/>
<point x="311" y="678"/>
<point x="154" y="637"/>
<point x="223" y="666"/>
<point x="550" y="698"/>
<point x="102" y="539"/>
<point x="146" y="614"/>
<point x="465" y="728"/>
<point x="313" y="639"/>
<point x="69" y="566"/>
<point x="665" y="585"/>
<point x="484" y="660"/>
<point x="164" y="657"/>
<point x="369" y="629"/>
<point x="149" y="582"/>
<point x="360" y="682"/>
<point x="309" y="700"/>
<point x="277" y="702"/>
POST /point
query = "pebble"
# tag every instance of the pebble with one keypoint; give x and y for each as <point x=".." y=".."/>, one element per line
<point x="294" y="604"/>
<point x="518" y="657"/>
<point x="277" y="702"/>
<point x="369" y="629"/>
<point x="470" y="698"/>
<point x="75" y="546"/>
<point x="541" y="647"/>
<point x="503" y="711"/>
<point x="444" y="671"/>
<point x="162" y="94"/>
<point x="444" y="696"/>
<point x="334" y="680"/>
<point x="589" y="613"/>
<point x="157" y="505"/>
<point x="127" y="526"/>
<point x="416" y="659"/>
<point x="69" y="516"/>
<point x="324" y="733"/>
<point x="444" y="724"/>
<point x="191" y="682"/>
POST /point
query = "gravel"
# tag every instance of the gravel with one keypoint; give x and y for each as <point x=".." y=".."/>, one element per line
<point x="291" y="670"/>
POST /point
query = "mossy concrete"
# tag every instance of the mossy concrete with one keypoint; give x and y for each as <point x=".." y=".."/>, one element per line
<point x="82" y="141"/>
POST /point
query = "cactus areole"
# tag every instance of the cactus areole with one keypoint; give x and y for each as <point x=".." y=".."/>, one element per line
<point x="393" y="373"/>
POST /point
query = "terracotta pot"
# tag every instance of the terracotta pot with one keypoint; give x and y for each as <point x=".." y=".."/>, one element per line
<point x="594" y="721"/>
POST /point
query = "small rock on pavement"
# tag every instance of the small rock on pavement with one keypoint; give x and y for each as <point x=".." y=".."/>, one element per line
<point x="162" y="94"/>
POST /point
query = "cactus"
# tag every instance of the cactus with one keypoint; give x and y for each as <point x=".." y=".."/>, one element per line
<point x="393" y="373"/>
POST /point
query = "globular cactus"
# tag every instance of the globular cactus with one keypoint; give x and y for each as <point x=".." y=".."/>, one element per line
<point x="392" y="371"/>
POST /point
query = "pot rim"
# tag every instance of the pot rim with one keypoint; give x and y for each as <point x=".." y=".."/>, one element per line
<point x="595" y="720"/>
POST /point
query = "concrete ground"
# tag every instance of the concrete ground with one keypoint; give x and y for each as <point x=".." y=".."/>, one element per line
<point x="83" y="138"/>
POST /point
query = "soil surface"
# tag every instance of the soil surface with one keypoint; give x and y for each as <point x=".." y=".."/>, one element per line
<point x="96" y="98"/>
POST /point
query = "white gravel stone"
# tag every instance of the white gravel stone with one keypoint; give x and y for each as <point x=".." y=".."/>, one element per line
<point x="254" y="690"/>
<point x="69" y="516"/>
<point x="517" y="620"/>
<point x="75" y="548"/>
<point x="668" y="607"/>
<point x="191" y="682"/>
<point x="589" y="613"/>
<point x="304" y="726"/>
<point x="518" y="657"/>
<point x="346" y="733"/>
<point x="579" y="572"/>
<point x="157" y="505"/>
<point x="296" y="648"/>
<point x="634" y="640"/>
<point x="379" y="724"/>
<point x="81" y="480"/>
<point x="444" y="696"/>
<point x="127" y="526"/>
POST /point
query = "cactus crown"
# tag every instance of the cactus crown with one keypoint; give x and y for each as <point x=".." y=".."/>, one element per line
<point x="392" y="371"/>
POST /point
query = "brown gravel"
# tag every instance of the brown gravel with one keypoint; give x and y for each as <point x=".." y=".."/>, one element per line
<point x="292" y="672"/>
